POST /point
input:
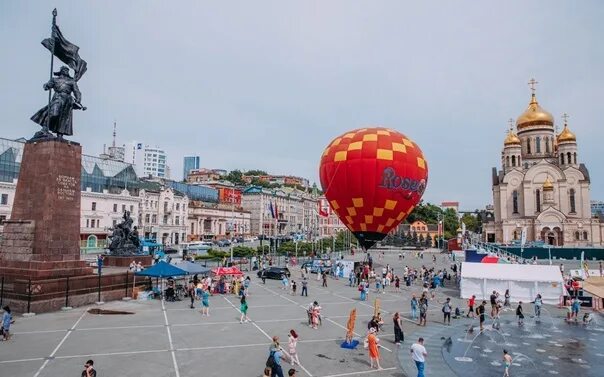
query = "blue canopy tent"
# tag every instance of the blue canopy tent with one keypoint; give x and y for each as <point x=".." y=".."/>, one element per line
<point x="193" y="268"/>
<point x="161" y="270"/>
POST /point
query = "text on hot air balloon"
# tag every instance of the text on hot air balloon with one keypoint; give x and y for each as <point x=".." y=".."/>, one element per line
<point x="391" y="181"/>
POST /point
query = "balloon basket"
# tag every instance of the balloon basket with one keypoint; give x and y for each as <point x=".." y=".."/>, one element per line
<point x="350" y="345"/>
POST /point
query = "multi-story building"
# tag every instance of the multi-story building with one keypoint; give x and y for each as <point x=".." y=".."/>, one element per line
<point x="329" y="223"/>
<point x="281" y="211"/>
<point x="163" y="215"/>
<point x="203" y="175"/>
<point x="211" y="221"/>
<point x="154" y="163"/>
<point x="281" y="180"/>
<point x="420" y="228"/>
<point x="189" y="163"/>
<point x="542" y="187"/>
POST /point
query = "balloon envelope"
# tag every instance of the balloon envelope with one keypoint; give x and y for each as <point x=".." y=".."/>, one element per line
<point x="373" y="178"/>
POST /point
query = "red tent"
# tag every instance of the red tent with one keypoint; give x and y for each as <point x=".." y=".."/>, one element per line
<point x="221" y="271"/>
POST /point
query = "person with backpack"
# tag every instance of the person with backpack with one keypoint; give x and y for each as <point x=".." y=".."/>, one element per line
<point x="274" y="358"/>
<point x="423" y="310"/>
<point x="446" y="309"/>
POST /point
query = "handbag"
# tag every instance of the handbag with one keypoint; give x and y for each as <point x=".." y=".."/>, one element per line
<point x="270" y="362"/>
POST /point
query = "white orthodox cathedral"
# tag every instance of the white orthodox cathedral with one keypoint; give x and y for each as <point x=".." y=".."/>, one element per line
<point x="542" y="186"/>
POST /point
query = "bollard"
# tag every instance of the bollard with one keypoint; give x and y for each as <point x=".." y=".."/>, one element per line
<point x="29" y="295"/>
<point x="126" y="295"/>
<point x="67" y="294"/>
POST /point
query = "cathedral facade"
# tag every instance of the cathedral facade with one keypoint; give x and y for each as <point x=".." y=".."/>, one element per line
<point x="542" y="185"/>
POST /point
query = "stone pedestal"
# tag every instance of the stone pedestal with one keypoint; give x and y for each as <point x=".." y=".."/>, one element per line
<point x="42" y="238"/>
<point x="124" y="261"/>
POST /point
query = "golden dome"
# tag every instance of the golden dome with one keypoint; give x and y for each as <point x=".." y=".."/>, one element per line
<point x="566" y="135"/>
<point x="534" y="115"/>
<point x="548" y="185"/>
<point x="511" y="139"/>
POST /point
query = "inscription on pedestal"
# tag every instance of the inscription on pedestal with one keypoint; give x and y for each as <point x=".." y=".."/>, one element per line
<point x="66" y="187"/>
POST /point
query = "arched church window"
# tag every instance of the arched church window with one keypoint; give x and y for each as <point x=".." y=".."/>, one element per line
<point x="585" y="236"/>
<point x="538" y="200"/>
<point x="547" y="148"/>
<point x="528" y="145"/>
<point x="507" y="161"/>
<point x="518" y="160"/>
<point x="515" y="235"/>
<point x="577" y="236"/>
<point x="572" y="201"/>
<point x="537" y="144"/>
<point x="513" y="160"/>
<point x="515" y="201"/>
<point x="568" y="158"/>
<point x="561" y="158"/>
<point x="575" y="158"/>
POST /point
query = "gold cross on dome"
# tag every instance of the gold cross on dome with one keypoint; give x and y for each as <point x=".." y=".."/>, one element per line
<point x="511" y="122"/>
<point x="565" y="117"/>
<point x="532" y="83"/>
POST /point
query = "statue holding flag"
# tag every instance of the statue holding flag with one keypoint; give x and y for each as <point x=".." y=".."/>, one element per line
<point x="57" y="116"/>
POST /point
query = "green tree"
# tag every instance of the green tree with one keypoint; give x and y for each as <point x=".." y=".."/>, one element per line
<point x="451" y="223"/>
<point x="472" y="221"/>
<point x="256" y="172"/>
<point x="235" y="176"/>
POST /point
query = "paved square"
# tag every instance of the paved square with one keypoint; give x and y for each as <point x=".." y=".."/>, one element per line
<point x="172" y="340"/>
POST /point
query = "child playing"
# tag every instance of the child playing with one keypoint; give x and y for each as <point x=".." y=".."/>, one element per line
<point x="520" y="314"/>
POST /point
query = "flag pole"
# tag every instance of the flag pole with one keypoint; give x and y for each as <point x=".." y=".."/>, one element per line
<point x="52" y="61"/>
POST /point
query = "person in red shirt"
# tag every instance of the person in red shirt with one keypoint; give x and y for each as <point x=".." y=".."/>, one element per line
<point x="471" y="303"/>
<point x="576" y="287"/>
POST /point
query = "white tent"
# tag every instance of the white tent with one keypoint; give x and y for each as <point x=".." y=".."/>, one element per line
<point x="524" y="281"/>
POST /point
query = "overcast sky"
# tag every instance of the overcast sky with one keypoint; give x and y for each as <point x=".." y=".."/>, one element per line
<point x="267" y="85"/>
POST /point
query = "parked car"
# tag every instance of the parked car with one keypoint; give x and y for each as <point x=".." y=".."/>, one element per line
<point x="223" y="243"/>
<point x="274" y="272"/>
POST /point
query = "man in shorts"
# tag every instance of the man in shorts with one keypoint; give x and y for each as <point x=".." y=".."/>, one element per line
<point x="471" y="303"/>
<point x="481" y="314"/>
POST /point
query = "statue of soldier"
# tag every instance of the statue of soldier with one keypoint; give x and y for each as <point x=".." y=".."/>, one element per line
<point x="61" y="105"/>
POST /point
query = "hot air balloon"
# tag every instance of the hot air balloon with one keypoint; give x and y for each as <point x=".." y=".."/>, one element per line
<point x="373" y="178"/>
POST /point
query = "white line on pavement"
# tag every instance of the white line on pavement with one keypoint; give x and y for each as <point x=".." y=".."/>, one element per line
<point x="359" y="373"/>
<point x="163" y="308"/>
<point x="268" y="336"/>
<point x="60" y="344"/>
<point x="111" y="354"/>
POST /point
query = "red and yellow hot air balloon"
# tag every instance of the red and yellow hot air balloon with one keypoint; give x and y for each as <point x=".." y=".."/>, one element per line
<point x="373" y="178"/>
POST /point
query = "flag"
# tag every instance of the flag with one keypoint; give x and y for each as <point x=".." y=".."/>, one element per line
<point x="66" y="51"/>
<point x="276" y="211"/>
<point x="271" y="209"/>
<point x="322" y="209"/>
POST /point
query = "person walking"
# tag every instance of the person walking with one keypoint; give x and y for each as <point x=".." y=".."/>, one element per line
<point x="538" y="302"/>
<point x="374" y="352"/>
<point x="575" y="306"/>
<point x="447" y="312"/>
<point x="481" y="314"/>
<point x="471" y="303"/>
<point x="205" y="302"/>
<point x="399" y="336"/>
<point x="294" y="288"/>
<point x="423" y="310"/>
<point x="507" y="363"/>
<point x="363" y="290"/>
<point x="191" y="293"/>
<point x="414" y="305"/>
<point x="7" y="320"/>
<point x="243" y="309"/>
<point x="274" y="359"/>
<point x="324" y="276"/>
<point x="89" y="369"/>
<point x="506" y="302"/>
<point x="292" y="347"/>
<point x="284" y="282"/>
<point x="263" y="276"/>
<point x="304" y="287"/>
<point x="520" y="314"/>
<point x="418" y="354"/>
